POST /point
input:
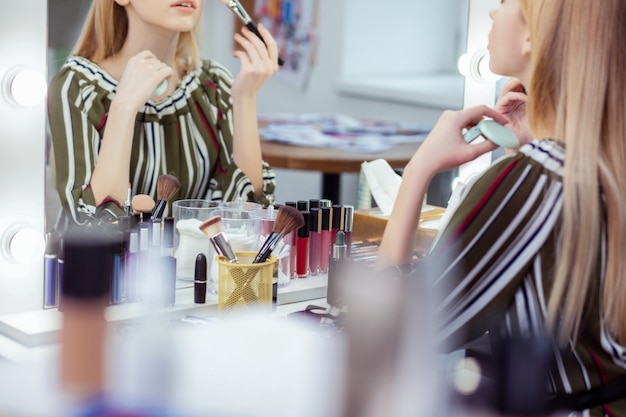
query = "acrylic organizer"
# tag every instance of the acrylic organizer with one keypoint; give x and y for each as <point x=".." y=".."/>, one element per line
<point x="244" y="285"/>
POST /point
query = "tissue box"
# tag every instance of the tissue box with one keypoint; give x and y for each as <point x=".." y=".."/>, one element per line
<point x="369" y="225"/>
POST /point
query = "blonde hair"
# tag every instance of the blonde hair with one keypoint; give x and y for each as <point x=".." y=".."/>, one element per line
<point x="105" y="31"/>
<point x="577" y="89"/>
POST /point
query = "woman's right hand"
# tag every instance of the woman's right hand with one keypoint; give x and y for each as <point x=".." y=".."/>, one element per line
<point x="143" y="73"/>
<point x="445" y="148"/>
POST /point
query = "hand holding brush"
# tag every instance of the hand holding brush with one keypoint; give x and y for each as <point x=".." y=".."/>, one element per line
<point x="167" y="187"/>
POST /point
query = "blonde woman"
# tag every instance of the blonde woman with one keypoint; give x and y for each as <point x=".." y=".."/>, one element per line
<point x="537" y="245"/>
<point x="111" y="125"/>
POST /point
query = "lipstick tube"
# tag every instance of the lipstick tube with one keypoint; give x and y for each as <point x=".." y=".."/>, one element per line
<point x="200" y="280"/>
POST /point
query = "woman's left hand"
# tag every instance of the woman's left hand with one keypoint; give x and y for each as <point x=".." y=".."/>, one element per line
<point x="258" y="61"/>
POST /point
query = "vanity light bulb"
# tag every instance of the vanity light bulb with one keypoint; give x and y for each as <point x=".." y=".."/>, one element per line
<point x="485" y="71"/>
<point x="463" y="65"/>
<point x="24" y="245"/>
<point x="27" y="87"/>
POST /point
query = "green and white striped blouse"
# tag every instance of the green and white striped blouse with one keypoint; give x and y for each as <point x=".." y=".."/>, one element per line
<point x="494" y="265"/>
<point x="187" y="134"/>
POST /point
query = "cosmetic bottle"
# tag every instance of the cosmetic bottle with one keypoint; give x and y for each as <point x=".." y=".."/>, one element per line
<point x="315" y="240"/>
<point x="337" y="274"/>
<point x="337" y="221"/>
<point x="60" y="273"/>
<point x="117" y="276"/>
<point x="168" y="263"/>
<point x="291" y="240"/>
<point x="85" y="289"/>
<point x="200" y="280"/>
<point x="302" y="248"/>
<point x="130" y="265"/>
<point x="348" y="219"/>
<point x="51" y="271"/>
<point x="325" y="245"/>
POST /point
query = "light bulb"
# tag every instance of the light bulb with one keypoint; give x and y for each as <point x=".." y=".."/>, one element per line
<point x="23" y="244"/>
<point x="485" y="71"/>
<point x="463" y="65"/>
<point x="25" y="87"/>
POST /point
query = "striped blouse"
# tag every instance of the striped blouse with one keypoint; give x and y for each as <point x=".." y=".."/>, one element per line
<point x="187" y="134"/>
<point x="506" y="231"/>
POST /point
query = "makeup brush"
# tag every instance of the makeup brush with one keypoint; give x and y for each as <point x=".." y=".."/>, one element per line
<point x="167" y="186"/>
<point x="245" y="18"/>
<point x="213" y="229"/>
<point x="287" y="220"/>
<point x="142" y="204"/>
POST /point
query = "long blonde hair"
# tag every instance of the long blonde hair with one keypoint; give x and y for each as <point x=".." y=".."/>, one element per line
<point x="578" y="89"/>
<point x="105" y="31"/>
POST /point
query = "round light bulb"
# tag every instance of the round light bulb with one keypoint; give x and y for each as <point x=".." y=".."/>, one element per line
<point x="463" y="65"/>
<point x="467" y="376"/>
<point x="23" y="244"/>
<point x="485" y="71"/>
<point x="26" y="87"/>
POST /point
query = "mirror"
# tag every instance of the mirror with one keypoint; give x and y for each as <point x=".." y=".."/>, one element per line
<point x="33" y="25"/>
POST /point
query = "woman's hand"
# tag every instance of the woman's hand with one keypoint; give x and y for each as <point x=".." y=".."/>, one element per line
<point x="445" y="148"/>
<point x="258" y="61"/>
<point x="143" y="73"/>
<point x="512" y="105"/>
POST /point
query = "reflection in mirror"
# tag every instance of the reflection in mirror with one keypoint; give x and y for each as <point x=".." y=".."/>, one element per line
<point x="23" y="31"/>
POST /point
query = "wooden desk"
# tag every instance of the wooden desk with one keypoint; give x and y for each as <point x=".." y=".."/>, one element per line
<point x="331" y="162"/>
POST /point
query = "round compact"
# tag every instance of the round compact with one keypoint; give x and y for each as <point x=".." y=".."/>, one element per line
<point x="493" y="131"/>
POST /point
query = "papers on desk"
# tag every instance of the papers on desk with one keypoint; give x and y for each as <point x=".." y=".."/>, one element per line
<point x="339" y="132"/>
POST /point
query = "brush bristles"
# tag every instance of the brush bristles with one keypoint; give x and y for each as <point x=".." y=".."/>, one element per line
<point x="212" y="226"/>
<point x="287" y="220"/>
<point x="167" y="187"/>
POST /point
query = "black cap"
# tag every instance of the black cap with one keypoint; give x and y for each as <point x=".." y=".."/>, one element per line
<point x="291" y="204"/>
<point x="337" y="216"/>
<point x="314" y="203"/>
<point x="304" y="230"/>
<point x="303" y="205"/>
<point x="88" y="256"/>
<point x="326" y="218"/>
<point x="314" y="220"/>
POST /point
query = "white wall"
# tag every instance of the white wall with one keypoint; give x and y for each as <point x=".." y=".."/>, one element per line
<point x="320" y="95"/>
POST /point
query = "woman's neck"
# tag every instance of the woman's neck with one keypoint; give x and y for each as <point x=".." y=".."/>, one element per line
<point x="163" y="45"/>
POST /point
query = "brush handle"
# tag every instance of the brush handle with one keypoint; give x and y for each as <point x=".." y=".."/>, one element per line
<point x="268" y="247"/>
<point x="252" y="26"/>
<point x="158" y="210"/>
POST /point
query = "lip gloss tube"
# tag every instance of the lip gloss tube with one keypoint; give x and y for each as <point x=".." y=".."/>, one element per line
<point x="116" y="292"/>
<point x="293" y="254"/>
<point x="302" y="248"/>
<point x="315" y="240"/>
<point x="348" y="219"/>
<point x="337" y="221"/>
<point x="325" y="240"/>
